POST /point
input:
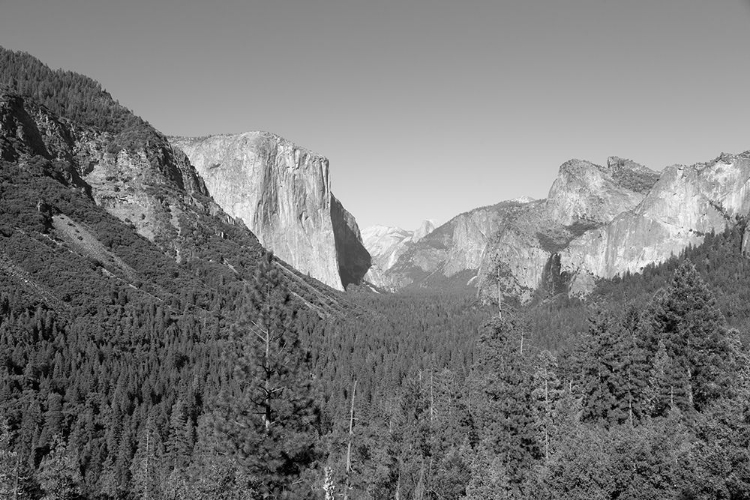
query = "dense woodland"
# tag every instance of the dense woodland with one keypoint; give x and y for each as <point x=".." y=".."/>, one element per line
<point x="219" y="377"/>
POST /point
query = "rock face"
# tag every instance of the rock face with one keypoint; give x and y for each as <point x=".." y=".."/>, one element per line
<point x="450" y="255"/>
<point x="686" y="203"/>
<point x="584" y="191"/>
<point x="515" y="246"/>
<point x="386" y="244"/>
<point x="525" y="255"/>
<point x="145" y="183"/>
<point x="283" y="193"/>
<point x="597" y="222"/>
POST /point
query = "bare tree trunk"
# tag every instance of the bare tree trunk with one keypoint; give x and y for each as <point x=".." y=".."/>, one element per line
<point x="546" y="417"/>
<point x="267" y="363"/>
<point x="432" y="399"/>
<point x="148" y="458"/>
<point x="349" y="446"/>
<point x="499" y="296"/>
<point x="18" y="470"/>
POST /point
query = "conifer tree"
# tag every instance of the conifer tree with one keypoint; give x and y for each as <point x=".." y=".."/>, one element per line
<point x="148" y="462"/>
<point x="269" y="419"/>
<point x="546" y="395"/>
<point x="502" y="400"/>
<point x="693" y="330"/>
<point x="59" y="475"/>
<point x="11" y="480"/>
<point x="601" y="364"/>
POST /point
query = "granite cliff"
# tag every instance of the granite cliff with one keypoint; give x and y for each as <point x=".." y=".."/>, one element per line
<point x="525" y="255"/>
<point x="140" y="180"/>
<point x="448" y="256"/>
<point x="283" y="193"/>
<point x="686" y="203"/>
<point x="386" y="244"/>
<point x="161" y="229"/>
<point x="516" y="246"/>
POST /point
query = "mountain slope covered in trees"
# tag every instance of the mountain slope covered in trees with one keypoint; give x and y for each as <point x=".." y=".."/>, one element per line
<point x="129" y="370"/>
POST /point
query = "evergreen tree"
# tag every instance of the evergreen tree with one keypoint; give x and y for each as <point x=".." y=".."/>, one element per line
<point x="502" y="401"/>
<point x="601" y="377"/>
<point x="147" y="468"/>
<point x="269" y="418"/>
<point x="693" y="330"/>
<point x="11" y="476"/>
<point x="546" y="396"/>
<point x="59" y="475"/>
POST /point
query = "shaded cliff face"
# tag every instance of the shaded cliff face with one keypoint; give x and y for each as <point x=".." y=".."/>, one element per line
<point x="516" y="243"/>
<point x="282" y="192"/>
<point x="386" y="244"/>
<point x="584" y="191"/>
<point x="143" y="182"/>
<point x="584" y="196"/>
<point x="686" y="203"/>
<point x="448" y="256"/>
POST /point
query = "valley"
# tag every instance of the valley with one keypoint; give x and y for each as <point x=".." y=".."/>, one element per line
<point x="192" y="318"/>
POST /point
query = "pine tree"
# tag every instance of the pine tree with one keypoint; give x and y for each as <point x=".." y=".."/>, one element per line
<point x="59" y="475"/>
<point x="270" y="419"/>
<point x="502" y="400"/>
<point x="601" y="365"/>
<point x="635" y="367"/>
<point x="10" y="466"/>
<point x="148" y="463"/>
<point x="693" y="330"/>
<point x="546" y="395"/>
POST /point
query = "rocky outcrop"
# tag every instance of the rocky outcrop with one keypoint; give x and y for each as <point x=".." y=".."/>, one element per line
<point x="521" y="245"/>
<point x="142" y="181"/>
<point x="584" y="196"/>
<point x="584" y="191"/>
<point x="515" y="245"/>
<point x="686" y="203"/>
<point x="450" y="255"/>
<point x="283" y="194"/>
<point x="386" y="244"/>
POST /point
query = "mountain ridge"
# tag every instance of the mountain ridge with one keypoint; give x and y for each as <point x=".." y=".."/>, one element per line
<point x="283" y="193"/>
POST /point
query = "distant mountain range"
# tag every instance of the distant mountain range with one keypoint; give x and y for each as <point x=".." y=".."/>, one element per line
<point x="597" y="222"/>
<point x="94" y="160"/>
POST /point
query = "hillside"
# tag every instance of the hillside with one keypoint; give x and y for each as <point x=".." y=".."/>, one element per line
<point x="150" y="347"/>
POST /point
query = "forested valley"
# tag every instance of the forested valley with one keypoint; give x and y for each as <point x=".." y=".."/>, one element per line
<point x="133" y="376"/>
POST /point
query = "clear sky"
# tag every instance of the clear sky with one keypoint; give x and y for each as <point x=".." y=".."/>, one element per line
<point x="425" y="108"/>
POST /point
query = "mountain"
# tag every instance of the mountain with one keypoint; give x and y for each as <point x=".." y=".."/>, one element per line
<point x="62" y="126"/>
<point x="450" y="255"/>
<point x="518" y="242"/>
<point x="524" y="256"/>
<point x="685" y="204"/>
<point x="283" y="193"/>
<point x="606" y="221"/>
<point x="386" y="244"/>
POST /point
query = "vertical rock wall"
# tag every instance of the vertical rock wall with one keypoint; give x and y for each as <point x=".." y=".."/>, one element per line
<point x="283" y="194"/>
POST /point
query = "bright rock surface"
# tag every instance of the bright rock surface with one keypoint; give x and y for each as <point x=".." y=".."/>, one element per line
<point x="283" y="194"/>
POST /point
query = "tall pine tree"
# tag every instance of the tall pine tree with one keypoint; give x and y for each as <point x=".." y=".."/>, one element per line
<point x="269" y="418"/>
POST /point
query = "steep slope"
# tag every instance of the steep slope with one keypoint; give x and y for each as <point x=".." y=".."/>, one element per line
<point x="682" y="207"/>
<point x="524" y="256"/>
<point x="517" y="242"/>
<point x="283" y="193"/>
<point x="386" y="244"/>
<point x="450" y="255"/>
<point x="120" y="164"/>
<point x="584" y="191"/>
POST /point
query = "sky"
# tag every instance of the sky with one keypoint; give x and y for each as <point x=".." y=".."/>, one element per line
<point x="425" y="108"/>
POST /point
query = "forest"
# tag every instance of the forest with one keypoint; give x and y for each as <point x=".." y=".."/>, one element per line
<point x="224" y="377"/>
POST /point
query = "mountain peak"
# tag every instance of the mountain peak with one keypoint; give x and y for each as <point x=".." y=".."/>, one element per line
<point x="282" y="192"/>
<point x="423" y="230"/>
